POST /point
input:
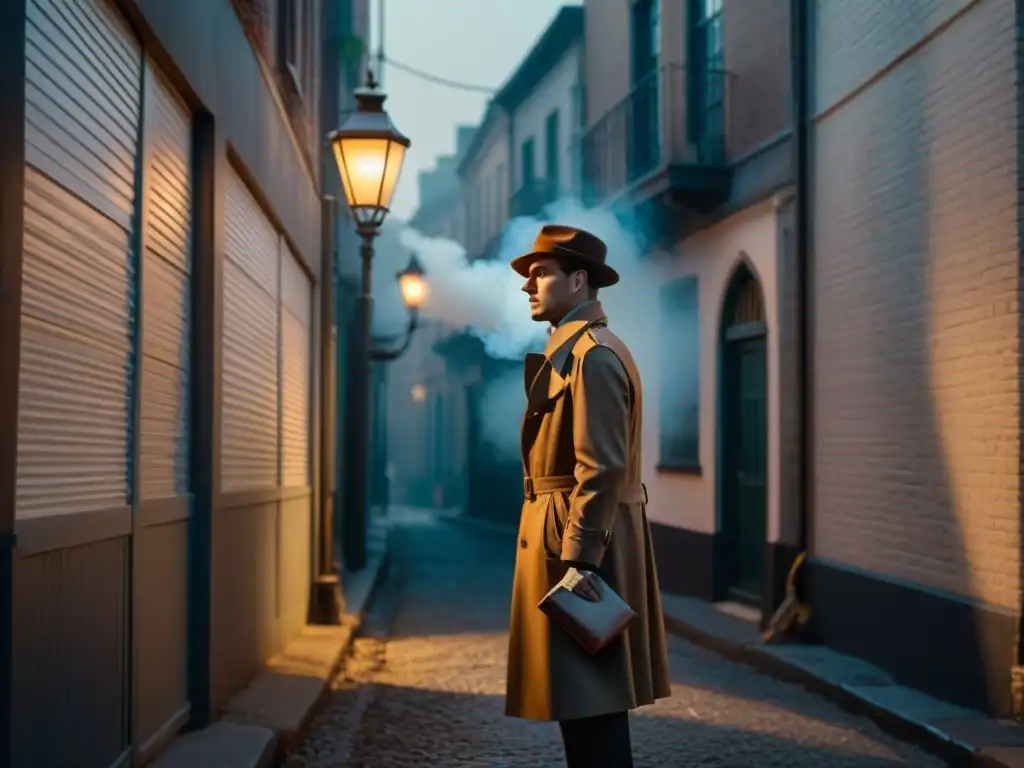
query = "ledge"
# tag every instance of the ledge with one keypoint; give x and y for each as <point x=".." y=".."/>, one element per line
<point x="961" y="736"/>
<point x="48" y="533"/>
<point x="679" y="469"/>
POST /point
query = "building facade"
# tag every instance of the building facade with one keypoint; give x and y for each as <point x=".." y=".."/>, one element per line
<point x="838" y="367"/>
<point x="916" y="271"/>
<point x="161" y="234"/>
<point x="689" y="133"/>
<point x="545" y="100"/>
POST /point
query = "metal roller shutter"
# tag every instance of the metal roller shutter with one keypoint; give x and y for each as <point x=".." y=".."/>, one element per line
<point x="82" y="124"/>
<point x="249" y="447"/>
<point x="296" y="377"/>
<point x="166" y="324"/>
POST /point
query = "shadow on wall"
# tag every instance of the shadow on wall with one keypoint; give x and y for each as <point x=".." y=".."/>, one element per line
<point x="914" y="320"/>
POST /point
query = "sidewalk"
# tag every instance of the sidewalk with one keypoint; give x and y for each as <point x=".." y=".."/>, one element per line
<point x="271" y="715"/>
<point x="960" y="735"/>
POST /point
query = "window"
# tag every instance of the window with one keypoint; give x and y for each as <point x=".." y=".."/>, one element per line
<point x="486" y="211"/>
<point x="298" y="48"/>
<point x="551" y="150"/>
<point x="501" y="192"/>
<point x="526" y="161"/>
<point x="679" y="412"/>
<point x="578" y="128"/>
<point x="439" y="453"/>
<point x="706" y="93"/>
<point x="644" y="126"/>
<point x="645" y="43"/>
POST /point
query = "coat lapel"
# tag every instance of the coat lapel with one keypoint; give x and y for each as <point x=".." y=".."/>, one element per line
<point x="546" y="374"/>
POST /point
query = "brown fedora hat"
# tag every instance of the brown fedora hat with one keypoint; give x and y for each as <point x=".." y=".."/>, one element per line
<point x="573" y="247"/>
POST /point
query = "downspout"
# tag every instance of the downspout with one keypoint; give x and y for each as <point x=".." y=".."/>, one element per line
<point x="801" y="73"/>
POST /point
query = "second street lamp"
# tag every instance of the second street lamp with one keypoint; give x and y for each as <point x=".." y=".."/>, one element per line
<point x="414" y="289"/>
<point x="369" y="151"/>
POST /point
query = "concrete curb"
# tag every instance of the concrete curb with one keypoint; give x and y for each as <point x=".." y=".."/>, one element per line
<point x="961" y="737"/>
<point x="270" y="717"/>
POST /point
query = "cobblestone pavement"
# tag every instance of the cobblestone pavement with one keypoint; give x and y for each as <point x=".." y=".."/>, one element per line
<point x="425" y="685"/>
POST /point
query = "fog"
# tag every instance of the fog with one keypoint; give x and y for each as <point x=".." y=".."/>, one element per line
<point x="486" y="298"/>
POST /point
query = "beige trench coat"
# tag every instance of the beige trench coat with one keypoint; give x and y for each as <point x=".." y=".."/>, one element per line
<point x="581" y="440"/>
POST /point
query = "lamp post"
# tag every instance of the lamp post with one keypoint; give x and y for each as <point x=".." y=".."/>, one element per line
<point x="369" y="152"/>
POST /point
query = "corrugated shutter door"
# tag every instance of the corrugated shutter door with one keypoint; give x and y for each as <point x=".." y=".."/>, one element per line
<point x="166" y="301"/>
<point x="82" y="119"/>
<point x="296" y="377"/>
<point x="249" y="448"/>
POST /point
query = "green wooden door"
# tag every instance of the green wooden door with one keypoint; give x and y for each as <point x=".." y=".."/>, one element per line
<point x="744" y="442"/>
<point x="748" y="467"/>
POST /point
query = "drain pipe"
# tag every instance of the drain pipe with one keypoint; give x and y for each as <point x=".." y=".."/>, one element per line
<point x="800" y="26"/>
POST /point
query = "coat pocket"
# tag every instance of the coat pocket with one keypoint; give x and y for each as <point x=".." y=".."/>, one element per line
<point x="555" y="518"/>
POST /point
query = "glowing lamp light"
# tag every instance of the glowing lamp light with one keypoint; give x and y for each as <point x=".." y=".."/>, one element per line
<point x="369" y="152"/>
<point x="412" y="283"/>
<point x="419" y="393"/>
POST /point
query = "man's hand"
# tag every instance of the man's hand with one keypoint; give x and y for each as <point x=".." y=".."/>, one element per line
<point x="588" y="587"/>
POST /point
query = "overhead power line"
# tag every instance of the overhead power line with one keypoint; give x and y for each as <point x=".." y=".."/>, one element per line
<point x="438" y="80"/>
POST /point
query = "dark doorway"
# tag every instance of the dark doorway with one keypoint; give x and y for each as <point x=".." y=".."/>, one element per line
<point x="744" y="418"/>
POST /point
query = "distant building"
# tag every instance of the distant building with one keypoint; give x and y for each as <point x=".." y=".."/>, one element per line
<point x="426" y="413"/>
<point x="441" y="212"/>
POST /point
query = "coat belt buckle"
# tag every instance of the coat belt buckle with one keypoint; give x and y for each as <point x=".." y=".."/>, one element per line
<point x="528" y="491"/>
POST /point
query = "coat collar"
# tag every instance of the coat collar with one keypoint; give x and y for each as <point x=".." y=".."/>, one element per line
<point x="557" y="348"/>
<point x="545" y="374"/>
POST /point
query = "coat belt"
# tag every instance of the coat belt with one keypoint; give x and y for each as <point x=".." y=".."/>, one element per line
<point x="538" y="486"/>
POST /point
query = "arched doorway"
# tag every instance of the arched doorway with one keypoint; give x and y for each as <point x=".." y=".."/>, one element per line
<point x="744" y="426"/>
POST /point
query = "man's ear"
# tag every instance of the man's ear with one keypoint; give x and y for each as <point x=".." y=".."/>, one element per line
<point x="579" y="281"/>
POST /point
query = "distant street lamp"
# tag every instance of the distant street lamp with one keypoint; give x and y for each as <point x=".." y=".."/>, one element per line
<point x="414" y="289"/>
<point x="369" y="152"/>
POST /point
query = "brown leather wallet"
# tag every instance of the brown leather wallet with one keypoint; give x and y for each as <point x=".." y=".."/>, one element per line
<point x="591" y="624"/>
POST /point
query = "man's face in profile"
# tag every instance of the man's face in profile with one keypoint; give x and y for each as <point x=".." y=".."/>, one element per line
<point x="552" y="292"/>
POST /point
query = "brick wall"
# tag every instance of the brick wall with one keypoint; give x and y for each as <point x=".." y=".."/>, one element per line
<point x="756" y="38"/>
<point x="916" y="406"/>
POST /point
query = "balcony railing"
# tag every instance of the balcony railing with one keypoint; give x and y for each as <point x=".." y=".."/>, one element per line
<point x="675" y="115"/>
<point x="532" y="197"/>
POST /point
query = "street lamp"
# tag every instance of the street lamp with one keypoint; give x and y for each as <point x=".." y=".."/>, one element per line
<point x="414" y="289"/>
<point x="369" y="152"/>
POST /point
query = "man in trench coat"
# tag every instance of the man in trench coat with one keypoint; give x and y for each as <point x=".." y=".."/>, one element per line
<point x="584" y="507"/>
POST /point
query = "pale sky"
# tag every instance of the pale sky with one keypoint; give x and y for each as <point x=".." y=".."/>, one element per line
<point x="472" y="41"/>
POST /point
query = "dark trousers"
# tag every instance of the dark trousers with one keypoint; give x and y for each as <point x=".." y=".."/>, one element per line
<point x="598" y="742"/>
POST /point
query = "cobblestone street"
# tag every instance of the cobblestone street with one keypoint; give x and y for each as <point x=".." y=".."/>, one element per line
<point x="425" y="685"/>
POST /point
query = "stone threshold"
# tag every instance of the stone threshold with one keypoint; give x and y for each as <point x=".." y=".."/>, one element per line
<point x="268" y="719"/>
<point x="961" y="736"/>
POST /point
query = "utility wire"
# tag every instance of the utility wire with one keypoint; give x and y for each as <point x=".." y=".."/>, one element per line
<point x="438" y="80"/>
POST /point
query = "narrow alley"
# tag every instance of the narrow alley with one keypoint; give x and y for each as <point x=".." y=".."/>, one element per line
<point x="424" y="685"/>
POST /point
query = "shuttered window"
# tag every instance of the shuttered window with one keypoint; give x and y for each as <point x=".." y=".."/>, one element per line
<point x="166" y="324"/>
<point x="296" y="378"/>
<point x="679" y="390"/>
<point x="82" y="89"/>
<point x="249" y="427"/>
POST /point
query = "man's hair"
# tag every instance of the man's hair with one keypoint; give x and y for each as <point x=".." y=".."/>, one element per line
<point x="568" y="266"/>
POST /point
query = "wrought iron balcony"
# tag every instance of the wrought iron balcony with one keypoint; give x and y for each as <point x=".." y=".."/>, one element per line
<point x="668" y="133"/>
<point x="532" y="197"/>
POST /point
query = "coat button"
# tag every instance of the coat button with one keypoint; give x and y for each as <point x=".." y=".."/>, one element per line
<point x="522" y="543"/>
